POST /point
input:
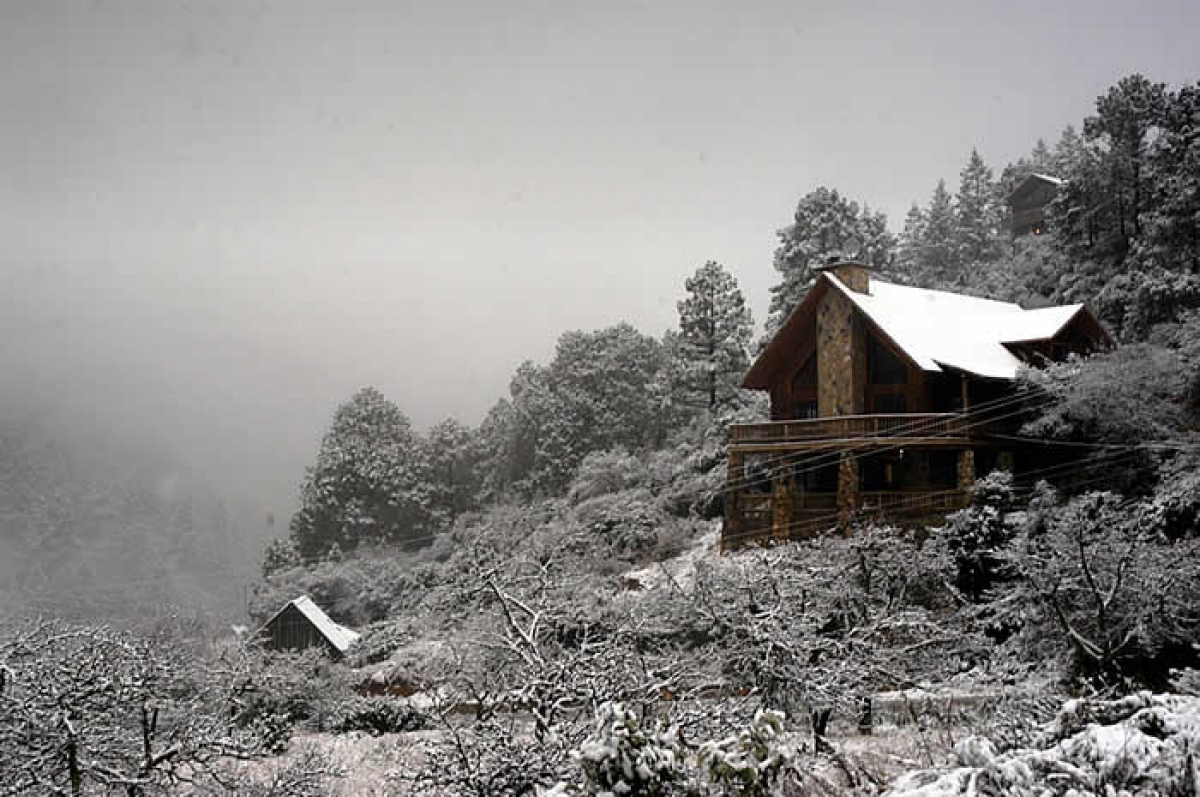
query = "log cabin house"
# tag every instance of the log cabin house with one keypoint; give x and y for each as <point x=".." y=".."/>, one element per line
<point x="1027" y="204"/>
<point x="886" y="399"/>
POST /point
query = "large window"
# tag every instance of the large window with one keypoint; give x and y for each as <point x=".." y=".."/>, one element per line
<point x="884" y="367"/>
<point x="804" y="389"/>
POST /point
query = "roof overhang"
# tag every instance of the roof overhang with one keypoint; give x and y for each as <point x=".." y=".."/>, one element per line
<point x="785" y="339"/>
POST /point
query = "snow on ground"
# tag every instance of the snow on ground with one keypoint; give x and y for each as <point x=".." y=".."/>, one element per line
<point x="1143" y="744"/>
<point x="681" y="569"/>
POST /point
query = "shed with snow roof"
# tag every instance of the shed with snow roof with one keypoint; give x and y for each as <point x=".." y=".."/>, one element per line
<point x="302" y="624"/>
<point x="887" y="398"/>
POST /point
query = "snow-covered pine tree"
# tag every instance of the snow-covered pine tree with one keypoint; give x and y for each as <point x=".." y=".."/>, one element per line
<point x="825" y="224"/>
<point x="912" y="238"/>
<point x="1067" y="151"/>
<point x="939" y="266"/>
<point x="977" y="234"/>
<point x="455" y="453"/>
<point x="714" y="337"/>
<point x="875" y="242"/>
<point x="1171" y="222"/>
<point x="370" y="482"/>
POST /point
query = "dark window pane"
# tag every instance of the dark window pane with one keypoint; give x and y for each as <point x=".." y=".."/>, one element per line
<point x="943" y="468"/>
<point x="806" y="374"/>
<point x="890" y="403"/>
<point x="804" y="409"/>
<point x="883" y="367"/>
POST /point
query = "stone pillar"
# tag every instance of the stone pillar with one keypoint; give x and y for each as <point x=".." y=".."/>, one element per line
<point x="781" y="507"/>
<point x="848" y="498"/>
<point x="841" y="358"/>
<point x="966" y="472"/>
<point x="734" y="475"/>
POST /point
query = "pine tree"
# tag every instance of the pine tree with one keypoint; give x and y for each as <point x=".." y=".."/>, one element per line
<point x="1067" y="152"/>
<point x="455" y="454"/>
<point x="875" y="243"/>
<point x="714" y="336"/>
<point x="1041" y="160"/>
<point x="909" y="248"/>
<point x="825" y="224"/>
<point x="1099" y="212"/>
<point x="1172" y="221"/>
<point x="1124" y="119"/>
<point x="977" y="233"/>
<point x="939" y="267"/>
<point x="370" y="482"/>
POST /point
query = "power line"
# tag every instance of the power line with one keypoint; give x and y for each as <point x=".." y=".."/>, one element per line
<point x="761" y="532"/>
<point x="920" y="423"/>
<point x="871" y="449"/>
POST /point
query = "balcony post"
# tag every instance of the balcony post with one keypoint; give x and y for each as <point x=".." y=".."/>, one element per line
<point x="848" y="497"/>
<point x="781" y="505"/>
<point x="966" y="472"/>
<point x="734" y="475"/>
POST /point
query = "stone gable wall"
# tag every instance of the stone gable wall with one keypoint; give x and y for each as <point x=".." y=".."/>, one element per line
<point x="842" y="358"/>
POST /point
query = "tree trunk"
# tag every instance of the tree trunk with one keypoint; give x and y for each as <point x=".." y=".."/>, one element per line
<point x="820" y="727"/>
<point x="866" y="720"/>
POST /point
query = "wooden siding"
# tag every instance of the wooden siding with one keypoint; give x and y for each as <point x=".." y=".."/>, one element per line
<point x="291" y="630"/>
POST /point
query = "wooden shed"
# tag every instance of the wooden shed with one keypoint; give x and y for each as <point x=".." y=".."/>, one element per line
<point x="301" y="624"/>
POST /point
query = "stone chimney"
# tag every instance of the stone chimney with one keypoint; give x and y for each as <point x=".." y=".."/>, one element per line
<point x="856" y="276"/>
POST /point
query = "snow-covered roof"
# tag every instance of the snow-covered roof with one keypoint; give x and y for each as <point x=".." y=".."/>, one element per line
<point x="1048" y="178"/>
<point x="941" y="330"/>
<point x="338" y="635"/>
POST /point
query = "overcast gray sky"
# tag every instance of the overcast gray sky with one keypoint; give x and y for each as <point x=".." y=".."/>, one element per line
<point x="219" y="219"/>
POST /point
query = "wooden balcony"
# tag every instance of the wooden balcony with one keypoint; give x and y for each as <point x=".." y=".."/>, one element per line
<point x="913" y="428"/>
<point x="752" y="517"/>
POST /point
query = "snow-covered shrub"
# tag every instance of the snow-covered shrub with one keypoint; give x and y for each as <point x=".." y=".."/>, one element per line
<point x="976" y="536"/>
<point x="607" y="472"/>
<point x="1142" y="744"/>
<point x="1120" y="595"/>
<point x="623" y="758"/>
<point x="751" y="763"/>
<point x="281" y="553"/>
<point x="626" y="521"/>
<point x="1186" y="682"/>
<point x="376" y="715"/>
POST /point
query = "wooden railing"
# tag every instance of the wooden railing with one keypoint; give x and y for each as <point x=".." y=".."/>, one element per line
<point x="751" y="517"/>
<point x="913" y="502"/>
<point x="843" y="427"/>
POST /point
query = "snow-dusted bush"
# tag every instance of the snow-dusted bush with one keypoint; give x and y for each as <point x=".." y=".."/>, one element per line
<point x="376" y="715"/>
<point x="751" y="763"/>
<point x="623" y="758"/>
<point x="607" y="472"/>
<point x="626" y="521"/>
<point x="976" y="536"/>
<point x="1186" y="681"/>
<point x="1142" y="744"/>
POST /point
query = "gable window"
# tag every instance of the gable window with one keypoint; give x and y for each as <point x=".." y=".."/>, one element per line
<point x="804" y="389"/>
<point x="884" y="367"/>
